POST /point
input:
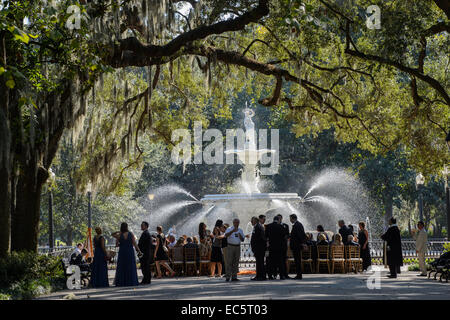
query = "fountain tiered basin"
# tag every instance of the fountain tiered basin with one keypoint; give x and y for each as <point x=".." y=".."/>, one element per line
<point x="246" y="205"/>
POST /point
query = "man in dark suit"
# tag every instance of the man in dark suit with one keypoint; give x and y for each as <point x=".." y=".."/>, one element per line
<point x="285" y="244"/>
<point x="297" y="239"/>
<point x="394" y="248"/>
<point x="145" y="245"/>
<point x="262" y="221"/>
<point x="275" y="233"/>
<point x="258" y="245"/>
<point x="344" y="231"/>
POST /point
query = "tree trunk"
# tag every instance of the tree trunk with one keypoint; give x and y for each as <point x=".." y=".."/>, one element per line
<point x="5" y="209"/>
<point x="69" y="235"/>
<point x="388" y="207"/>
<point x="25" y="222"/>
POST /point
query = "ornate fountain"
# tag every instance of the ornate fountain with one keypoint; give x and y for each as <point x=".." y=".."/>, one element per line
<point x="252" y="201"/>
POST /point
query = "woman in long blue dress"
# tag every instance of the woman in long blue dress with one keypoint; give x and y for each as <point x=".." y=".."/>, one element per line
<point x="99" y="276"/>
<point x="126" y="272"/>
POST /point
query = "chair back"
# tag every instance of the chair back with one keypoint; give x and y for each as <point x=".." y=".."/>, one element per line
<point x="306" y="253"/>
<point x="177" y="254"/>
<point x="289" y="253"/>
<point x="323" y="251"/>
<point x="353" y="252"/>
<point x="190" y="254"/>
<point x="337" y="252"/>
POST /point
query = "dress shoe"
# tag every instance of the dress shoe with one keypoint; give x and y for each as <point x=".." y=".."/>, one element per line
<point x="270" y="278"/>
<point x="391" y="276"/>
<point x="288" y="277"/>
<point x="254" y="279"/>
<point x="227" y="279"/>
<point x="298" y="278"/>
<point x="235" y="279"/>
<point x="421" y="275"/>
<point x="282" y="278"/>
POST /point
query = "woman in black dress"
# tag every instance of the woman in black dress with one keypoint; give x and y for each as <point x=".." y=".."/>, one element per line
<point x="160" y="255"/>
<point x="216" y="252"/>
<point x="363" y="240"/>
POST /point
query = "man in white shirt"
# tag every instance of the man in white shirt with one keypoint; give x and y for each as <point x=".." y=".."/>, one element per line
<point x="76" y="252"/>
<point x="421" y="238"/>
<point x="234" y="236"/>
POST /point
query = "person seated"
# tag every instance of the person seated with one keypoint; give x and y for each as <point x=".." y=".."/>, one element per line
<point x="76" y="251"/>
<point x="351" y="242"/>
<point x="337" y="240"/>
<point x="190" y="244"/>
<point x="321" y="230"/>
<point x="195" y="240"/>
<point x="80" y="261"/>
<point x="179" y="243"/>
<point x="309" y="239"/>
<point x="172" y="241"/>
<point x="321" y="240"/>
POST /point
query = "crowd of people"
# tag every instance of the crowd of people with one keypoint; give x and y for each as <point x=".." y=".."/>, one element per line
<point x="269" y="243"/>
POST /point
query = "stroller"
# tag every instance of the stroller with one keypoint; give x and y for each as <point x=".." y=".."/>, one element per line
<point x="441" y="266"/>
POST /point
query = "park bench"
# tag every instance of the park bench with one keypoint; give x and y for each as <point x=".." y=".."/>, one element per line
<point x="445" y="271"/>
<point x="85" y="276"/>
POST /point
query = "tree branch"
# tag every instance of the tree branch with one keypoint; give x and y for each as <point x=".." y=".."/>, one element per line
<point x="145" y="52"/>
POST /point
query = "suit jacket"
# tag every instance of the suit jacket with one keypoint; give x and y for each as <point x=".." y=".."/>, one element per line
<point x="275" y="233"/>
<point x="144" y="244"/>
<point x="286" y="235"/>
<point x="345" y="231"/>
<point x="298" y="235"/>
<point x="421" y="238"/>
<point x="393" y="240"/>
<point x="258" y="240"/>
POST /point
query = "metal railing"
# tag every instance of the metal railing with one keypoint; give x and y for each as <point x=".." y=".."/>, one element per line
<point x="434" y="250"/>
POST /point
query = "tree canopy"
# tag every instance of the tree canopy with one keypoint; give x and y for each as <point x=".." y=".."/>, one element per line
<point x="137" y="69"/>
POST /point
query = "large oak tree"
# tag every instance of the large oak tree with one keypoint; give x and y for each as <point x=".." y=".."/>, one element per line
<point x="317" y="61"/>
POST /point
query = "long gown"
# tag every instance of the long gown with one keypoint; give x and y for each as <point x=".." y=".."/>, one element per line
<point x="99" y="277"/>
<point x="126" y="272"/>
<point x="364" y="253"/>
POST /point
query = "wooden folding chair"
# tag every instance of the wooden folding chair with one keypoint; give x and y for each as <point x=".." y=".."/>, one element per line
<point x="178" y="259"/>
<point x="190" y="260"/>
<point x="290" y="260"/>
<point x="323" y="257"/>
<point x="353" y="260"/>
<point x="205" y="259"/>
<point x="307" y="258"/>
<point x="337" y="257"/>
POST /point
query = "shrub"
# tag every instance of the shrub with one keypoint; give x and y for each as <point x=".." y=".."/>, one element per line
<point x="24" y="275"/>
<point x="415" y="267"/>
<point x="447" y="247"/>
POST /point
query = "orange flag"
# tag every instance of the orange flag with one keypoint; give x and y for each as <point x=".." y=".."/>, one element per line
<point x="88" y="244"/>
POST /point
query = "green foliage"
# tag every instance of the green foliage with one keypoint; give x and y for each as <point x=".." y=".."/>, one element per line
<point x="24" y="275"/>
<point x="447" y="247"/>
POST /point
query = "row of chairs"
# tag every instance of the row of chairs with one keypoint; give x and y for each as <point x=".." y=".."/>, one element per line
<point x="344" y="258"/>
<point x="185" y="261"/>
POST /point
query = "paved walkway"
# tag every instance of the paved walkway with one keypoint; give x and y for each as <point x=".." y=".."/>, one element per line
<point x="313" y="286"/>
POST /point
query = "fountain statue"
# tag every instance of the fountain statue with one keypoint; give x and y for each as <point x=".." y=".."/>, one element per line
<point x="252" y="202"/>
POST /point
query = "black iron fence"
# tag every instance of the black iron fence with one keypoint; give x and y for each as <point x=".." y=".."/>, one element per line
<point x="435" y="249"/>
